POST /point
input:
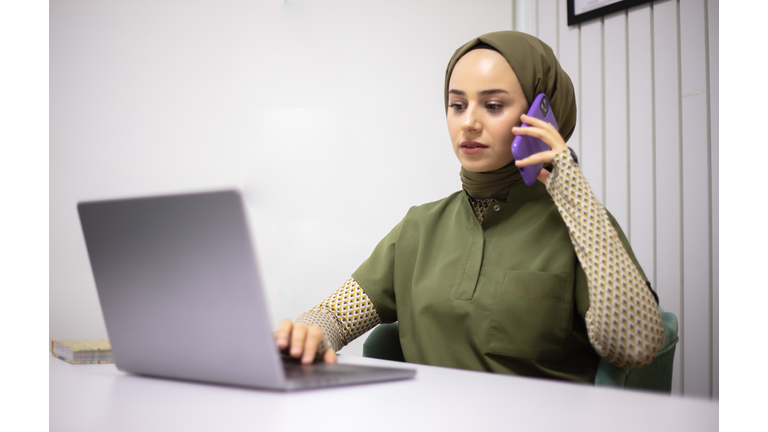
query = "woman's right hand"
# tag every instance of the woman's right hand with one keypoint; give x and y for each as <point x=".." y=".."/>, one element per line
<point x="301" y="341"/>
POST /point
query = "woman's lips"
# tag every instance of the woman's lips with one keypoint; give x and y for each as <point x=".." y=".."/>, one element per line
<point x="472" y="147"/>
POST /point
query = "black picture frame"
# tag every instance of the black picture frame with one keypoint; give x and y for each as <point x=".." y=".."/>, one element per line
<point x="574" y="19"/>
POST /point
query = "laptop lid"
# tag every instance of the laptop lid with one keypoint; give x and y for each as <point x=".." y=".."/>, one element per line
<point x="179" y="288"/>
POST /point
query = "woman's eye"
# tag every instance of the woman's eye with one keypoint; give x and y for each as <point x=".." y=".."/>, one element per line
<point x="456" y="106"/>
<point x="494" y="106"/>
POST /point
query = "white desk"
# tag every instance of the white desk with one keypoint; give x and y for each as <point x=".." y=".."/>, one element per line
<point x="101" y="398"/>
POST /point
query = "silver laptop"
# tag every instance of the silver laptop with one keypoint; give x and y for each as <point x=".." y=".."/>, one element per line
<point x="181" y="295"/>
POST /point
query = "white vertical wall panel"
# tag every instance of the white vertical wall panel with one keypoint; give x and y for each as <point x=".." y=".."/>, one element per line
<point x="641" y="213"/>
<point x="660" y="162"/>
<point x="696" y="231"/>
<point x="591" y="157"/>
<point x="616" y="119"/>
<point x="713" y="32"/>
<point x="525" y="16"/>
<point x="668" y="168"/>
<point x="547" y="23"/>
<point x="568" y="43"/>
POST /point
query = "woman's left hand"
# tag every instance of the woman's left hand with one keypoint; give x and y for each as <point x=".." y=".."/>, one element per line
<point x="545" y="132"/>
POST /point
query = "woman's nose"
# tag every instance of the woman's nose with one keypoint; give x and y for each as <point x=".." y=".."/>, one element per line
<point x="470" y="122"/>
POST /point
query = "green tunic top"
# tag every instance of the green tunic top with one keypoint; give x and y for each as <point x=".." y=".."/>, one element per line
<point x="507" y="295"/>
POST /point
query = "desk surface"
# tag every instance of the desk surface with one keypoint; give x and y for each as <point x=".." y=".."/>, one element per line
<point x="101" y="398"/>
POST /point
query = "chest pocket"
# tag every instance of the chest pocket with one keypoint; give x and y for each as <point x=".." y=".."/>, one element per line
<point x="531" y="315"/>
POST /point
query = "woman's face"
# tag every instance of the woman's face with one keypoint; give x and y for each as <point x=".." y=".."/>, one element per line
<point x="485" y="100"/>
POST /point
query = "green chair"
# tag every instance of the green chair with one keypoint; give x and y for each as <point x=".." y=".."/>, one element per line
<point x="384" y="343"/>
<point x="657" y="375"/>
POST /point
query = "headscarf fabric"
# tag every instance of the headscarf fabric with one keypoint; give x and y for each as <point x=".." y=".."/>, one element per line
<point x="492" y="184"/>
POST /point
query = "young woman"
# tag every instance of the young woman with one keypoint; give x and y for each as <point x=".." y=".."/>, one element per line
<point x="500" y="276"/>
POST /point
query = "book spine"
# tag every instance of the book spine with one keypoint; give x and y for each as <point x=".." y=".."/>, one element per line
<point x="103" y="361"/>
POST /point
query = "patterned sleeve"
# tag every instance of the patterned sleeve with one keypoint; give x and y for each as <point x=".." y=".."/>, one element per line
<point x="345" y="315"/>
<point x="623" y="319"/>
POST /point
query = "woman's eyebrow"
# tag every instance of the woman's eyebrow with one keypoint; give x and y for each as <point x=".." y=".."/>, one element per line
<point x="480" y="93"/>
<point x="491" y="91"/>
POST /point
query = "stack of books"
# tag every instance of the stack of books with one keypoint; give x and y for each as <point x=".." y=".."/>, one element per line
<point x="83" y="351"/>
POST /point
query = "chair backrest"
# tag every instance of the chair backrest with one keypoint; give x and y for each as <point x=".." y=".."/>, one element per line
<point x="384" y="343"/>
<point x="657" y="375"/>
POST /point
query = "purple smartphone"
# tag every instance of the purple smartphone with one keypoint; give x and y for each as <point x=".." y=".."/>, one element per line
<point x="524" y="146"/>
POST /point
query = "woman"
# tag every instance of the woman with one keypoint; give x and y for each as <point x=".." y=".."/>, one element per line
<point x="497" y="276"/>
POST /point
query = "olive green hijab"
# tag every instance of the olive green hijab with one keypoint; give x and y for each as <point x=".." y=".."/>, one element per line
<point x="539" y="71"/>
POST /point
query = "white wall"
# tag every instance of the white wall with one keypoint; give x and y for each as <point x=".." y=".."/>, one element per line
<point x="328" y="114"/>
<point x="647" y="87"/>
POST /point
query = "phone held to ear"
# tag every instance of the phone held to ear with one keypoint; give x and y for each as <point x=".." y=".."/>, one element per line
<point x="525" y="146"/>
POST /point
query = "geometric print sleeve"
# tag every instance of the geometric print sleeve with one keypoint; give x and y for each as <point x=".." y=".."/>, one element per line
<point x="623" y="320"/>
<point x="345" y="315"/>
